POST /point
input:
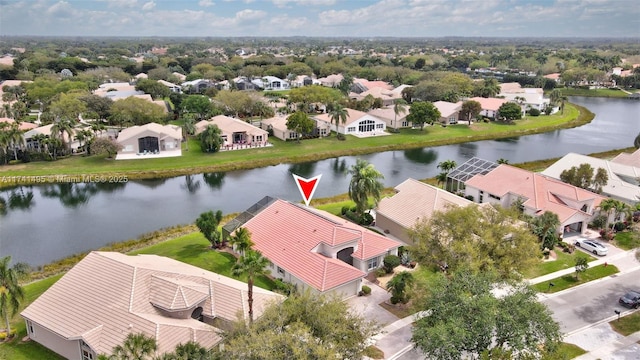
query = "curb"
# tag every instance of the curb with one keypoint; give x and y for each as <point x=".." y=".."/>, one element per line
<point x="542" y="296"/>
<point x="607" y="320"/>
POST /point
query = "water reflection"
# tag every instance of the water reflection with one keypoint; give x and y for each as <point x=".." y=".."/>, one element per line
<point x="421" y="156"/>
<point x="509" y="140"/>
<point x="468" y="150"/>
<point x="72" y="195"/>
<point x="191" y="184"/>
<point x="306" y="169"/>
<point x="19" y="198"/>
<point x="151" y="183"/>
<point x="214" y="180"/>
<point x="339" y="166"/>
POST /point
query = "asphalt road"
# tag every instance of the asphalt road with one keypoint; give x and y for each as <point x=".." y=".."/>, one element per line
<point x="592" y="302"/>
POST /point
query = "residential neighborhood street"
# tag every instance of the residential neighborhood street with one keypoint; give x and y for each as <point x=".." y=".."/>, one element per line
<point x="592" y="302"/>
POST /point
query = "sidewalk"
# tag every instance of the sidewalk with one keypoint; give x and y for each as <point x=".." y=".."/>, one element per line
<point x="602" y="342"/>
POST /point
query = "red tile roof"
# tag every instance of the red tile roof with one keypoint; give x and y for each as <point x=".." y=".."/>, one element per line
<point x="541" y="193"/>
<point x="293" y="237"/>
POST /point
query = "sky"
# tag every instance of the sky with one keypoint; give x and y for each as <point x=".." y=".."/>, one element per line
<point x="331" y="18"/>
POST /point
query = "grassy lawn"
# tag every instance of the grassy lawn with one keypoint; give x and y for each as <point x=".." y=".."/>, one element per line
<point x="627" y="240"/>
<point x="627" y="325"/>
<point x="566" y="351"/>
<point x="194" y="160"/>
<point x="18" y="350"/>
<point x="194" y="249"/>
<point x="563" y="261"/>
<point x="594" y="92"/>
<point x="567" y="281"/>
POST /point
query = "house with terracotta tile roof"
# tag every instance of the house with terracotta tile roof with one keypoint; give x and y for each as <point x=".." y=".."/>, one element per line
<point x="358" y="122"/>
<point x="109" y="295"/>
<point x="622" y="183"/>
<point x="449" y="112"/>
<point x="506" y="185"/>
<point x="632" y="159"/>
<point x="489" y="106"/>
<point x="388" y="115"/>
<point x="23" y="125"/>
<point x="313" y="249"/>
<point x="413" y="201"/>
<point x="235" y="131"/>
<point x="278" y="126"/>
<point x="332" y="80"/>
<point x="150" y="138"/>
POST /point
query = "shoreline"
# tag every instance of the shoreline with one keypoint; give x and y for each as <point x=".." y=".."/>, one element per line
<point x="167" y="233"/>
<point x="15" y="177"/>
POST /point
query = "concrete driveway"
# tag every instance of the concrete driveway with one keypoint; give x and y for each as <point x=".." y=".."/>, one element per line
<point x="368" y="306"/>
<point x="593" y="235"/>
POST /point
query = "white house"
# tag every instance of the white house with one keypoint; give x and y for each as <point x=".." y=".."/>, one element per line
<point x="358" y="122"/>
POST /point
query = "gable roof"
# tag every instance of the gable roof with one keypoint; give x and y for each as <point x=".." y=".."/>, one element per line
<point x="229" y="125"/>
<point x="492" y="104"/>
<point x="352" y="116"/>
<point x="108" y="295"/>
<point x="447" y="108"/>
<point x="277" y="122"/>
<point x="387" y="113"/>
<point x="293" y="237"/>
<point x="539" y="192"/>
<point x="163" y="131"/>
<point x="622" y="179"/>
<point x="632" y="159"/>
<point x="414" y="200"/>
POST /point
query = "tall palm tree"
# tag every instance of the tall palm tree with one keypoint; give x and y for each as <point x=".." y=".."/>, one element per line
<point x="241" y="239"/>
<point x="14" y="138"/>
<point x="135" y="347"/>
<point x="338" y="114"/>
<point x="607" y="205"/>
<point x="545" y="227"/>
<point x="83" y="136"/>
<point x="60" y="127"/>
<point x="98" y="128"/>
<point x="10" y="291"/>
<point x="251" y="264"/>
<point x="447" y="165"/>
<point x="491" y="88"/>
<point x="555" y="96"/>
<point x="365" y="182"/>
<point x="399" y="106"/>
<point x="210" y="138"/>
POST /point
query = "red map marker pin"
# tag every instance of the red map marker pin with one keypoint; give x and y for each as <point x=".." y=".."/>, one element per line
<point x="307" y="186"/>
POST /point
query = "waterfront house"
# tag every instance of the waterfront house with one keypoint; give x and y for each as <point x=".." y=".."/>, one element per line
<point x="358" y="122"/>
<point x="151" y="138"/>
<point x="235" y="131"/>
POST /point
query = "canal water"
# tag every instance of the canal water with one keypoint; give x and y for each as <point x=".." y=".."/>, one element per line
<point x="48" y="222"/>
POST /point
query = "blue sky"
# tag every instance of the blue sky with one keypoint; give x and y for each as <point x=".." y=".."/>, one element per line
<point x="336" y="18"/>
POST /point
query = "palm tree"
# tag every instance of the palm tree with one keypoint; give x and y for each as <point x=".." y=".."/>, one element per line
<point x="555" y="96"/>
<point x="15" y="138"/>
<point x="491" y="88"/>
<point x="210" y="138"/>
<point x="338" y="114"/>
<point x="97" y="127"/>
<point x="10" y="291"/>
<point x="545" y="227"/>
<point x="84" y="136"/>
<point x="398" y="286"/>
<point x="447" y="165"/>
<point x="364" y="183"/>
<point x="61" y="127"/>
<point x="241" y="240"/>
<point x="607" y="205"/>
<point x="251" y="264"/>
<point x="135" y="347"/>
<point x="399" y="106"/>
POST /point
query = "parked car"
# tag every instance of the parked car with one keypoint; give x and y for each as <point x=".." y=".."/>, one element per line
<point x="630" y="300"/>
<point x="592" y="246"/>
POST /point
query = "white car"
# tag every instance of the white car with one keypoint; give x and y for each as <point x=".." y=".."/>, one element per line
<point x="592" y="246"/>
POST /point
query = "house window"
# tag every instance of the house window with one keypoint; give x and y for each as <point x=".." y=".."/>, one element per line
<point x="405" y="123"/>
<point x="379" y="126"/>
<point x="87" y="355"/>
<point x="494" y="197"/>
<point x="323" y="132"/>
<point x="30" y="326"/>
<point x="372" y="264"/>
<point x="584" y="208"/>
<point x="293" y="135"/>
<point x="280" y="271"/>
<point x="351" y="129"/>
<point x="453" y="120"/>
<point x="257" y="138"/>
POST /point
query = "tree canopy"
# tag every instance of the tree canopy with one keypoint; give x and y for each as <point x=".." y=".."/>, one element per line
<point x="509" y="111"/>
<point x="465" y="318"/>
<point x="365" y="182"/>
<point x="300" y="123"/>
<point x="478" y="238"/>
<point x="423" y="112"/>
<point x="583" y="177"/>
<point x="305" y="326"/>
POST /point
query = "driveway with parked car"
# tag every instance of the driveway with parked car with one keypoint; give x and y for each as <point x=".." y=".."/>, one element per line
<point x="592" y="246"/>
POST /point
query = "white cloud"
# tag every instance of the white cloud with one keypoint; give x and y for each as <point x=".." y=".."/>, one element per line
<point x="285" y="3"/>
<point x="249" y="14"/>
<point x="205" y="3"/>
<point x="61" y="9"/>
<point x="122" y="3"/>
<point x="148" y="6"/>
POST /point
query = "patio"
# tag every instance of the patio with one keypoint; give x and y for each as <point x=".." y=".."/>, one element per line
<point x="150" y="155"/>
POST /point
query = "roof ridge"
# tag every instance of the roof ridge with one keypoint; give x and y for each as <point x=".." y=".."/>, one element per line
<point x="324" y="274"/>
<point x="133" y="287"/>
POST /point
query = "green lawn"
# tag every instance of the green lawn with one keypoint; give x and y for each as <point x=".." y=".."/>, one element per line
<point x="567" y="281"/>
<point x="194" y="249"/>
<point x="627" y="240"/>
<point x="563" y="261"/>
<point x="16" y="349"/>
<point x="594" y="92"/>
<point x="565" y="351"/>
<point x="195" y="161"/>
<point x="627" y="325"/>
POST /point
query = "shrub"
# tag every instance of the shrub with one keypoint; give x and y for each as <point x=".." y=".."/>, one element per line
<point x="366" y="290"/>
<point x="3" y="334"/>
<point x="394" y="300"/>
<point x="366" y="219"/>
<point x="534" y="112"/>
<point x="606" y="234"/>
<point x="390" y="262"/>
<point x="619" y="226"/>
<point x="283" y="287"/>
<point x="598" y="222"/>
<point x="344" y="210"/>
<point x="381" y="272"/>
